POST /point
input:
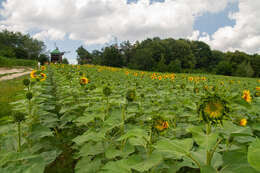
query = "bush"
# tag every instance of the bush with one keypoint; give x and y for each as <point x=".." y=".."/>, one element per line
<point x="8" y="62"/>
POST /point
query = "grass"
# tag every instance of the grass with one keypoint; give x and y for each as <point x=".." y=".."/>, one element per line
<point x="9" y="89"/>
<point x="11" y="62"/>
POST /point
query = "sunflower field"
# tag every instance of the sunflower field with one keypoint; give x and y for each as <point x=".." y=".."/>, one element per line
<point x="96" y="119"/>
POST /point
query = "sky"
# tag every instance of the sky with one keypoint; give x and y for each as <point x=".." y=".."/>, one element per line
<point x="225" y="25"/>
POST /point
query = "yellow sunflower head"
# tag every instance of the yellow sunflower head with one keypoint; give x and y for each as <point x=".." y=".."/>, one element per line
<point x="213" y="109"/>
<point x="33" y="74"/>
<point x="257" y="88"/>
<point x="160" y="78"/>
<point x="243" y="122"/>
<point x="43" y="77"/>
<point x="130" y="95"/>
<point x="246" y="96"/>
<point x="83" y="81"/>
<point x="190" y="79"/>
<point x="203" y="78"/>
<point x="43" y="68"/>
<point x="159" y="123"/>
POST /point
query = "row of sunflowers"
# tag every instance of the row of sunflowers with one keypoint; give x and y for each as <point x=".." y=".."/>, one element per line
<point x="96" y="119"/>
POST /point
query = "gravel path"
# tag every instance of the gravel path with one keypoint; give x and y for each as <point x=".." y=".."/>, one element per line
<point x="18" y="72"/>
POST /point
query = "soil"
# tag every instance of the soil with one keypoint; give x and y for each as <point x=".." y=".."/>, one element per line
<point x="18" y="72"/>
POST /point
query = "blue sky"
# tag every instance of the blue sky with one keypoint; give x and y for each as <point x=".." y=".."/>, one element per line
<point x="94" y="24"/>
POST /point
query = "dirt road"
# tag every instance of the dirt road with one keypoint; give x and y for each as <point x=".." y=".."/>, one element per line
<point x="8" y="73"/>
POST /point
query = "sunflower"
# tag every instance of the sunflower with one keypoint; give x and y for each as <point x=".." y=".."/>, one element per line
<point x="43" y="68"/>
<point x="160" y="78"/>
<point x="203" y="78"/>
<point x="33" y="74"/>
<point x="243" y="122"/>
<point x="190" y="78"/>
<point x="161" y="125"/>
<point x="257" y="88"/>
<point x="246" y="96"/>
<point x="213" y="109"/>
<point x="130" y="95"/>
<point x="83" y="81"/>
<point x="43" y="77"/>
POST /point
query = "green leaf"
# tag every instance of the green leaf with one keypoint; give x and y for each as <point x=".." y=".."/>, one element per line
<point x="91" y="149"/>
<point x="39" y="131"/>
<point x="111" y="152"/>
<point x="236" y="162"/>
<point x="137" y="132"/>
<point x="176" y="147"/>
<point x="152" y="161"/>
<point x="253" y="155"/>
<point x="207" y="169"/>
<point x="117" y="167"/>
<point x="89" y="136"/>
<point x="86" y="165"/>
<point x="202" y="139"/>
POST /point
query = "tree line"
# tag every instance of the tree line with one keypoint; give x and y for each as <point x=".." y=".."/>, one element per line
<point x="170" y="55"/>
<point x="23" y="46"/>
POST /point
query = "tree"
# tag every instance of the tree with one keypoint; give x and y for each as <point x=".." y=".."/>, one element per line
<point x="65" y="61"/>
<point x="43" y="58"/>
<point x="183" y="52"/>
<point x="161" y="66"/>
<point x="84" y="57"/>
<point x="224" y="68"/>
<point x="244" y="69"/>
<point x="202" y="54"/>
<point x="142" y="60"/>
<point x="126" y="50"/>
<point x="175" y="66"/>
<point x="112" y="57"/>
<point x="15" y="44"/>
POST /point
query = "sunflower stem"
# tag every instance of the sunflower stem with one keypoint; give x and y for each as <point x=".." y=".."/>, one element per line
<point x="19" y="136"/>
<point x="208" y="131"/>
<point x="107" y="106"/>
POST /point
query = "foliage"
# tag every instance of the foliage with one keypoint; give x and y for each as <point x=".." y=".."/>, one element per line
<point x="125" y="121"/>
<point x="170" y="55"/>
<point x="10" y="62"/>
<point x="20" y="46"/>
<point x="65" y="61"/>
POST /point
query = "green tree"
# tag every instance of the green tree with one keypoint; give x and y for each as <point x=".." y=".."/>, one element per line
<point x="161" y="66"/>
<point x="112" y="57"/>
<point x="175" y="66"/>
<point x="43" y="58"/>
<point x="224" y="68"/>
<point x="84" y="57"/>
<point x="244" y="69"/>
<point x="65" y="61"/>
<point x="142" y="60"/>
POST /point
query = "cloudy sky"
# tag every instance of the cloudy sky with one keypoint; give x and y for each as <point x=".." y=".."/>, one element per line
<point x="225" y="25"/>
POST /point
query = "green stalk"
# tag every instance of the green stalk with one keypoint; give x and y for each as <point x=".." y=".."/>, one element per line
<point x="192" y="158"/>
<point x="123" y="124"/>
<point x="208" y="131"/>
<point x="107" y="106"/>
<point x="19" y="136"/>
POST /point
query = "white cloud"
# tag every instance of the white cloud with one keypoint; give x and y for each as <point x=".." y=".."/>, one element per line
<point x="97" y="21"/>
<point x="245" y="35"/>
<point x="50" y="34"/>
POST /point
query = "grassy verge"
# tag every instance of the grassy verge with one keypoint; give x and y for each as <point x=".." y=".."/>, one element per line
<point x="11" y="62"/>
<point x="9" y="89"/>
